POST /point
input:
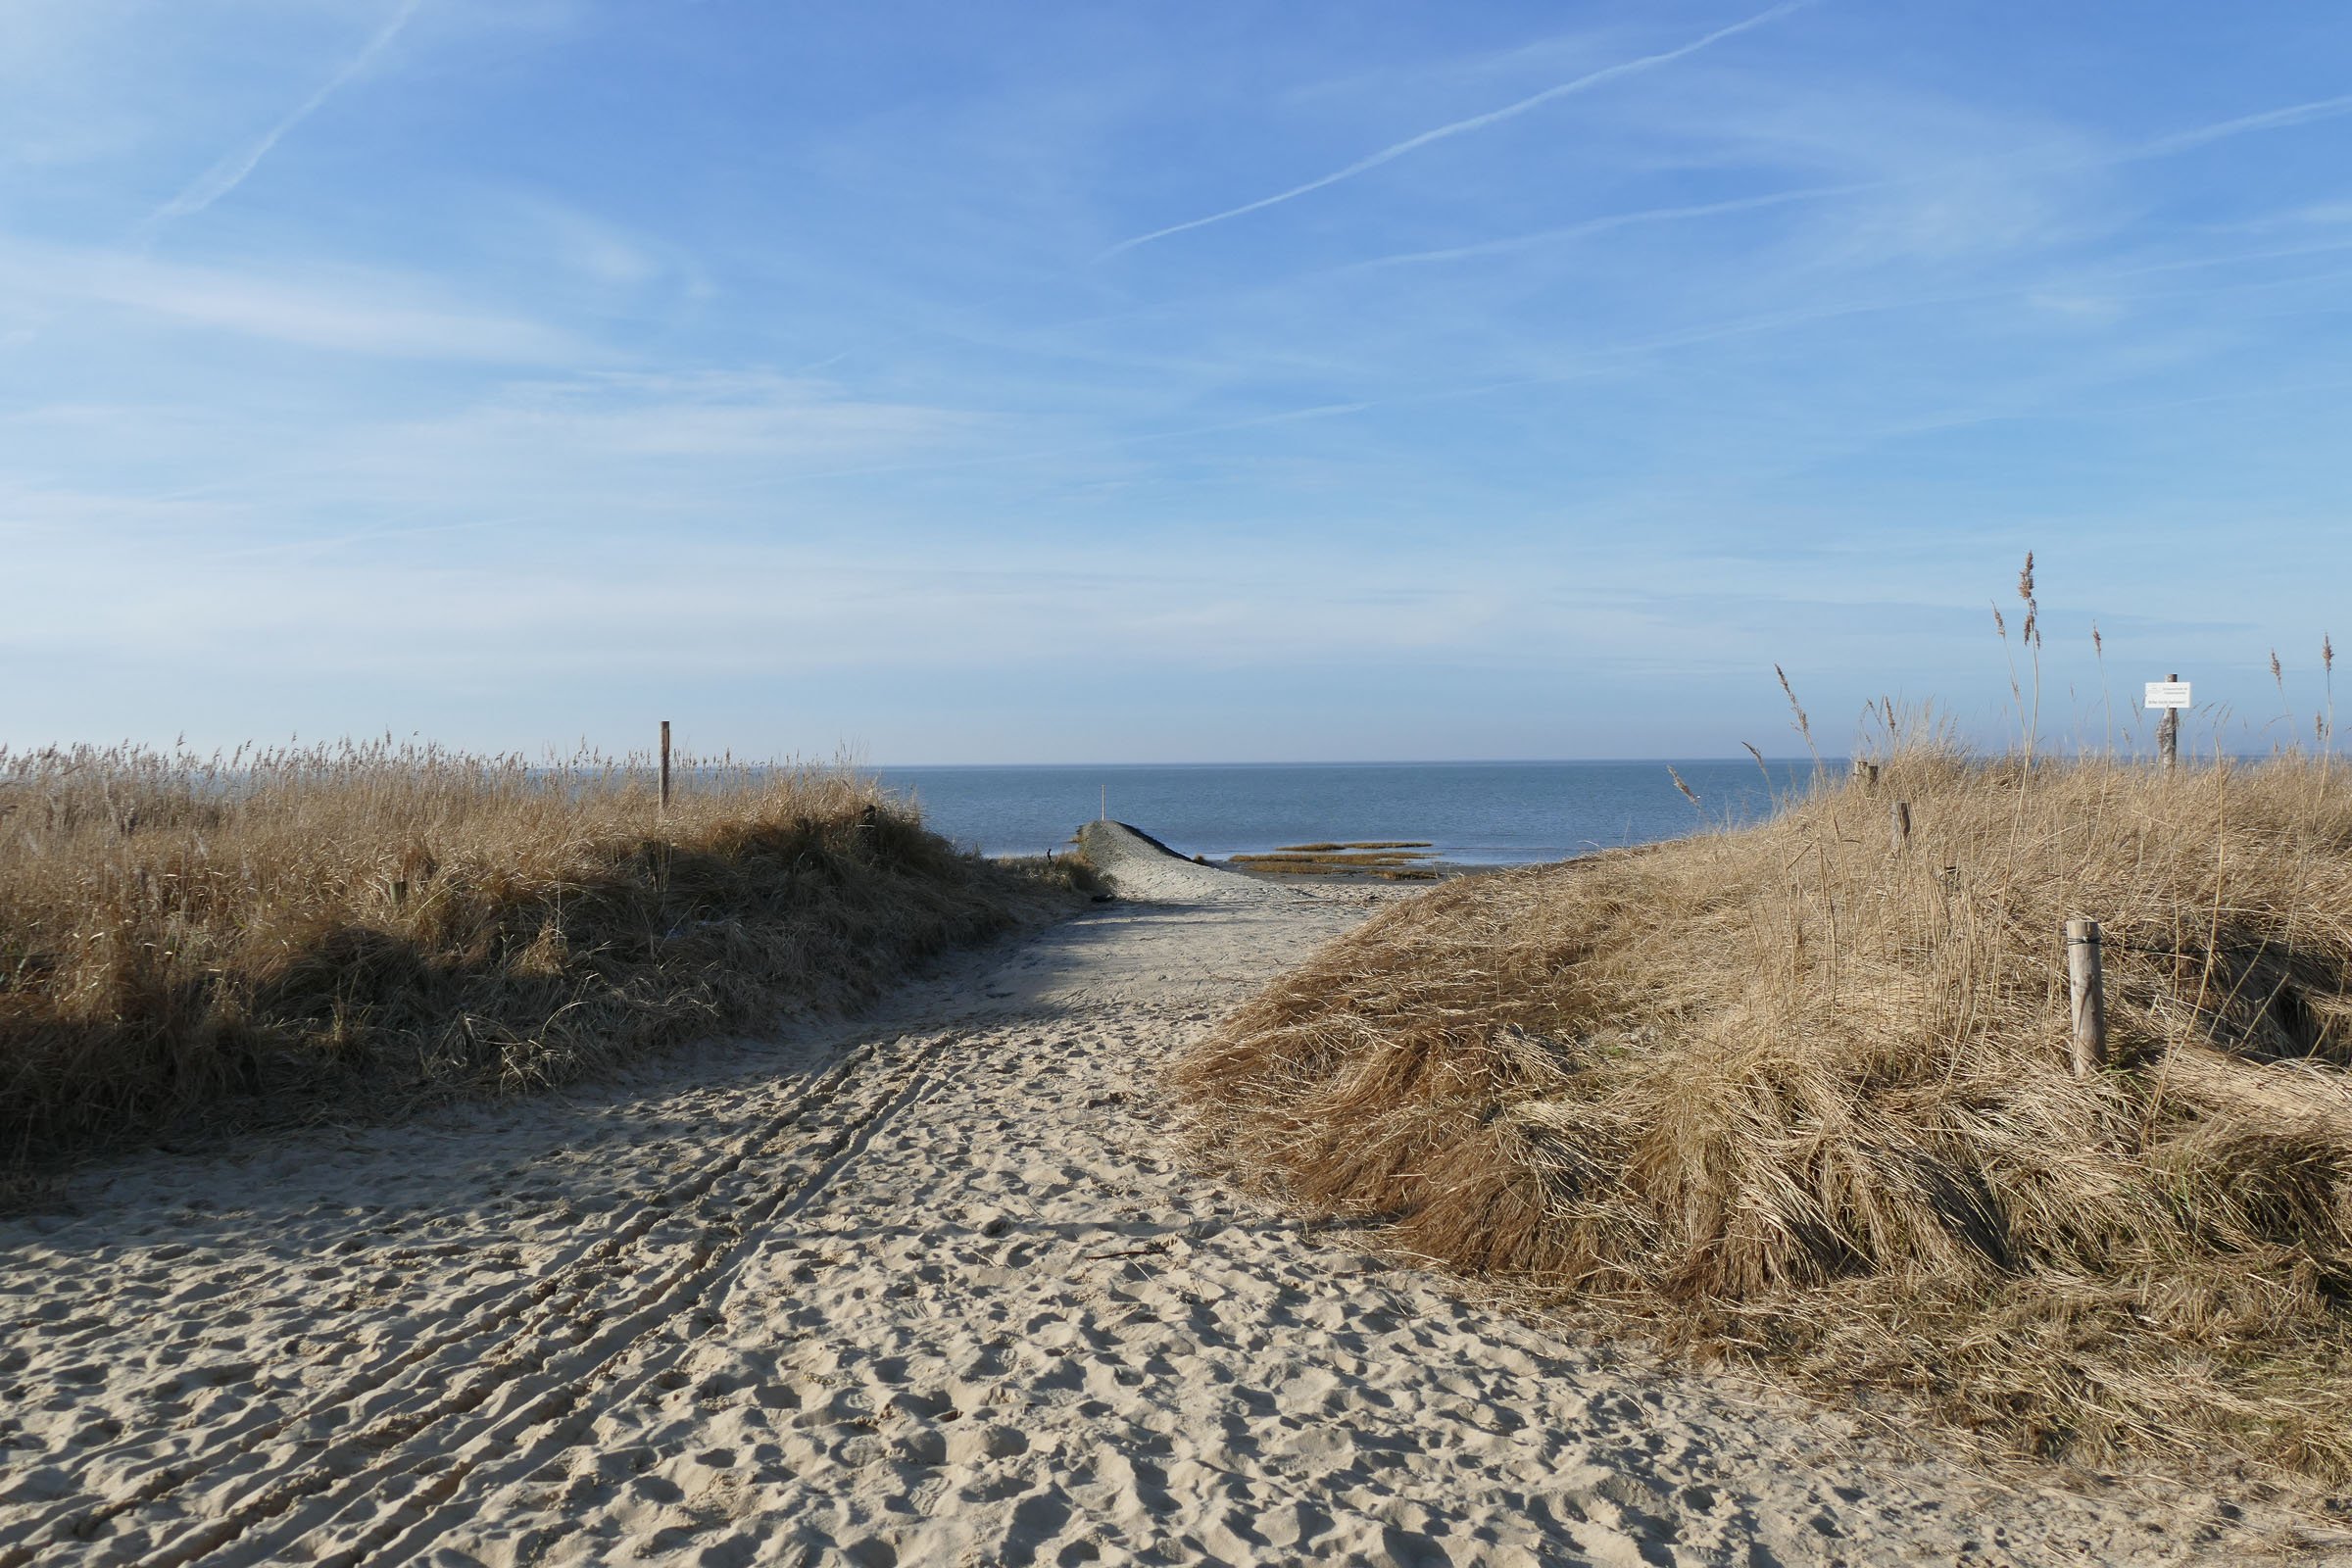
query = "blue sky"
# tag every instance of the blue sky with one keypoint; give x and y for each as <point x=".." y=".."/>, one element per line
<point x="992" y="382"/>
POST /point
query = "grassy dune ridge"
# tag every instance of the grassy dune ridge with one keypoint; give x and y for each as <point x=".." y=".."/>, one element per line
<point x="1797" y="1095"/>
<point x="321" y="931"/>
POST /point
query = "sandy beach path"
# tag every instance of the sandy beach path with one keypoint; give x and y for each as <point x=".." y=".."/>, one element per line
<point x="934" y="1288"/>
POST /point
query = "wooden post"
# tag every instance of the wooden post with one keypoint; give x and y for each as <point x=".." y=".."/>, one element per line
<point x="2168" y="733"/>
<point x="2086" y="985"/>
<point x="665" y="765"/>
<point x="1899" y="815"/>
<point x="1865" y="774"/>
<point x="1103" y="816"/>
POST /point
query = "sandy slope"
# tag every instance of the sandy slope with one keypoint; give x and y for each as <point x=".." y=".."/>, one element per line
<point x="933" y="1290"/>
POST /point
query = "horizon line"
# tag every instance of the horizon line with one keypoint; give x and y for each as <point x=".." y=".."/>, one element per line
<point x="1376" y="761"/>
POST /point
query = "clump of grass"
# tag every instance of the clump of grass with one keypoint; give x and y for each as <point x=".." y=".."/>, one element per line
<point x="1071" y="870"/>
<point x="1394" y="862"/>
<point x="1796" y="1094"/>
<point x="315" y="932"/>
<point x="1336" y="857"/>
<point x="1315" y="866"/>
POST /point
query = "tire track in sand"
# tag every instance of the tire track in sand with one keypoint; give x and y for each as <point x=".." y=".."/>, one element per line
<point x="530" y="1320"/>
<point x="398" y="1542"/>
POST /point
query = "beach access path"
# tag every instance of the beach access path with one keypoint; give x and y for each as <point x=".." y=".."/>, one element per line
<point x="934" y="1287"/>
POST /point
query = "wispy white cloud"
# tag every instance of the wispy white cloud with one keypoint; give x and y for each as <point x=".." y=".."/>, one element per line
<point x="232" y="172"/>
<point x="709" y="605"/>
<point x="1392" y="153"/>
<point x="372" y="315"/>
<point x="596" y="249"/>
<point x="1959" y="182"/>
<point x="2043" y="186"/>
<point x="622" y="447"/>
<point x="1108" y="445"/>
<point x="614" y="417"/>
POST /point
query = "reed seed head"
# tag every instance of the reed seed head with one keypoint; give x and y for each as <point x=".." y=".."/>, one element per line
<point x="1804" y="725"/>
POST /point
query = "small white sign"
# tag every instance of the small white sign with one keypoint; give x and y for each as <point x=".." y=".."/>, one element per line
<point x="2168" y="694"/>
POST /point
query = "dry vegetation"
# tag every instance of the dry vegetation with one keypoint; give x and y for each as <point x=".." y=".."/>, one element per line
<point x="1394" y="861"/>
<point x="321" y="932"/>
<point x="1789" y="1091"/>
<point x="1801" y="1094"/>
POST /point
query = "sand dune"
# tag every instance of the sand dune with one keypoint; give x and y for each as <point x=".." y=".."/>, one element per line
<point x="934" y="1288"/>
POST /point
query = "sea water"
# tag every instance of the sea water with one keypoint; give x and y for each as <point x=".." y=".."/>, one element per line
<point x="1491" y="814"/>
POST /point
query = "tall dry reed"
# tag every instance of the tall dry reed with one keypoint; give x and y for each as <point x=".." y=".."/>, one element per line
<point x="319" y="931"/>
<point x="1801" y="1094"/>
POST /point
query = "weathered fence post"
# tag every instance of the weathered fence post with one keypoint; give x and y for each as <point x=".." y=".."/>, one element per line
<point x="665" y="767"/>
<point x="2167" y="730"/>
<point x="2086" y="985"/>
<point x="1899" y="821"/>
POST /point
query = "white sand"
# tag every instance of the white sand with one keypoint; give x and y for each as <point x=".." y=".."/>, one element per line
<point x="934" y="1289"/>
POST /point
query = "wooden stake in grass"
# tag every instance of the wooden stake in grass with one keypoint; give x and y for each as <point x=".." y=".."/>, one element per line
<point x="2086" y="985"/>
<point x="2168" y="731"/>
<point x="665" y="767"/>
<point x="1899" y="822"/>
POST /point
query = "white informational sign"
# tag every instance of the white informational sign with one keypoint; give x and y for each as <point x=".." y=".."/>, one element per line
<point x="2168" y="694"/>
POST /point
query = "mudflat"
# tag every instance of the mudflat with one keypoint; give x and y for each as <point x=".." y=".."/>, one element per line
<point x="934" y="1287"/>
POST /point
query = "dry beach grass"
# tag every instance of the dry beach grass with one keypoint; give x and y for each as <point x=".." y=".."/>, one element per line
<point x="1799" y="1093"/>
<point x="310" y="932"/>
<point x="1390" y="861"/>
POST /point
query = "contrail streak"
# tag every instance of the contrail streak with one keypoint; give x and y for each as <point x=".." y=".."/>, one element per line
<point x="231" y="171"/>
<point x="2270" y="119"/>
<point x="1614" y="220"/>
<point x="1474" y="122"/>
